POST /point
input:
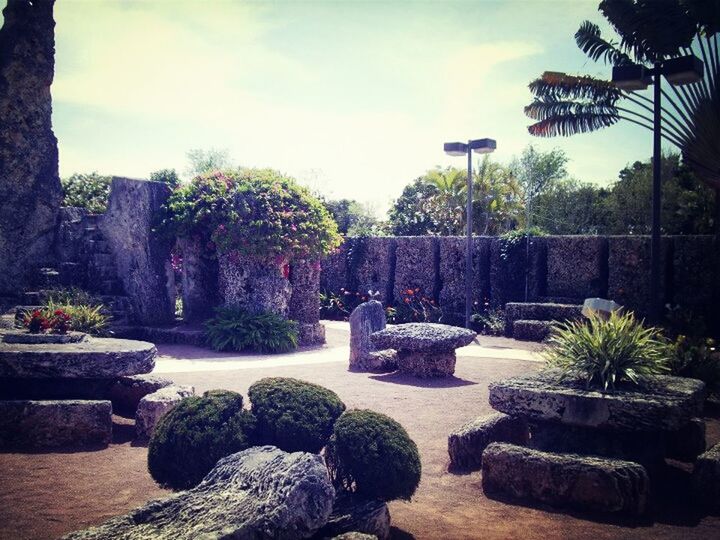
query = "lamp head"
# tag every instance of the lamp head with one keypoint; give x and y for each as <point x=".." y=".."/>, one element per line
<point x="483" y="146"/>
<point x="455" y="148"/>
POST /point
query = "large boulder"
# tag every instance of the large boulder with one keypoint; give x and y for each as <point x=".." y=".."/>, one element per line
<point x="32" y="425"/>
<point x="261" y="492"/>
<point x="467" y="444"/>
<point x="365" y="319"/>
<point x="94" y="358"/>
<point x="664" y="403"/>
<point x="706" y="479"/>
<point x="142" y="256"/>
<point x="153" y="407"/>
<point x="565" y="480"/>
<point x="126" y="392"/>
<point x="30" y="191"/>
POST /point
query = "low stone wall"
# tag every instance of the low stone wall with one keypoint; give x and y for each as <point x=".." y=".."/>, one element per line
<point x="558" y="268"/>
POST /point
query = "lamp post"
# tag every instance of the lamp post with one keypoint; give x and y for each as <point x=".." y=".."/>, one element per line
<point x="632" y="77"/>
<point x="479" y="146"/>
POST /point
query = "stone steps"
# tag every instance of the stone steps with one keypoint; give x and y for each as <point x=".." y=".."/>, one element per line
<point x="531" y="321"/>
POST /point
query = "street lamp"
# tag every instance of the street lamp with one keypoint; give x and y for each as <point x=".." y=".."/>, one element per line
<point x="632" y="77"/>
<point x="479" y="146"/>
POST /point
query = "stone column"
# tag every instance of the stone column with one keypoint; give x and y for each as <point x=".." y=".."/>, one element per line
<point x="200" y="289"/>
<point x="30" y="192"/>
<point x="305" y="301"/>
<point x="142" y="256"/>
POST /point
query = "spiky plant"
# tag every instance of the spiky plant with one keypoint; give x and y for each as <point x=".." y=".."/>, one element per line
<point x="648" y="30"/>
<point x="605" y="352"/>
<point x="234" y="329"/>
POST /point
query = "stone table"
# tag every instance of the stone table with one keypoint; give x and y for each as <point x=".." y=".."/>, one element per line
<point x="424" y="349"/>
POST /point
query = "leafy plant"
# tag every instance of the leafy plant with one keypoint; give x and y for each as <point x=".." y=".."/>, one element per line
<point x="339" y="306"/>
<point x="89" y="191"/>
<point x="413" y="306"/>
<point x="167" y="176"/>
<point x="490" y="321"/>
<point x="190" y="439"/>
<point x="235" y="329"/>
<point x="49" y="319"/>
<point x="606" y="352"/>
<point x="514" y="239"/>
<point x="35" y="321"/>
<point x="71" y="296"/>
<point x="372" y="455"/>
<point x="697" y="358"/>
<point x="294" y="415"/>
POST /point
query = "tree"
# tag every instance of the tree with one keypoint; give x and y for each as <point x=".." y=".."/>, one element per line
<point x="448" y="204"/>
<point x="353" y="218"/>
<point x="202" y="161"/>
<point x="410" y="214"/>
<point x="168" y="176"/>
<point x="572" y="207"/>
<point x="89" y="191"/>
<point x="497" y="198"/>
<point x="647" y="30"/>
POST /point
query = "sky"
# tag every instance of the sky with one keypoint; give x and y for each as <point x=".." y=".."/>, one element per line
<point x="354" y="99"/>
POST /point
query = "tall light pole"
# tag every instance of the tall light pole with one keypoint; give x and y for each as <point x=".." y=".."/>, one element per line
<point x="479" y="146"/>
<point x="632" y="77"/>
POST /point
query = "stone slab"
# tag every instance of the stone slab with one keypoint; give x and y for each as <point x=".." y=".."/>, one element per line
<point x="565" y="480"/>
<point x="261" y="492"/>
<point x="422" y="337"/>
<point x="33" y="425"/>
<point x="467" y="444"/>
<point x="706" y="479"/>
<point x="92" y="358"/>
<point x="668" y="403"/>
<point x="25" y="337"/>
<point x="153" y="407"/>
<point x="126" y="392"/>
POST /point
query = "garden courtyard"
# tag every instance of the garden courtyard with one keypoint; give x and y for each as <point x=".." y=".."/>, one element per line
<point x="45" y="495"/>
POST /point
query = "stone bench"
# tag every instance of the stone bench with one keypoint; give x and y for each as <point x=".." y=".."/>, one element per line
<point x="467" y="444"/>
<point x="424" y="349"/>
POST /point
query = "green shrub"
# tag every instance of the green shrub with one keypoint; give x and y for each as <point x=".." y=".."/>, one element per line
<point x="372" y="455"/>
<point x="90" y="319"/>
<point x="72" y="296"/>
<point x="294" y="415"/>
<point x="190" y="439"/>
<point x="697" y="358"/>
<point x="605" y="352"/>
<point x="168" y="176"/>
<point x="89" y="191"/>
<point x="234" y="329"/>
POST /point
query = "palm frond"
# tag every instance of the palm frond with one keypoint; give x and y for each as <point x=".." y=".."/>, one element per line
<point x="563" y="86"/>
<point x="571" y="124"/>
<point x="542" y="109"/>
<point x="590" y="41"/>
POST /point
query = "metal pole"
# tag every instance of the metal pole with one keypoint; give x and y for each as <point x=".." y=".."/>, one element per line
<point x="468" y="248"/>
<point x="655" y="245"/>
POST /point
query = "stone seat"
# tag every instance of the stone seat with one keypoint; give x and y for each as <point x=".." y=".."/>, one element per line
<point x="424" y="349"/>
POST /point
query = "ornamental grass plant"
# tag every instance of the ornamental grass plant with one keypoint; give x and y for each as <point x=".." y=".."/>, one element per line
<point x="235" y="329"/>
<point x="604" y="353"/>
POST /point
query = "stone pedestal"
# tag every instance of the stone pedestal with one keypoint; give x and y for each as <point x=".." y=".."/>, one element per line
<point x="426" y="364"/>
<point x="254" y="284"/>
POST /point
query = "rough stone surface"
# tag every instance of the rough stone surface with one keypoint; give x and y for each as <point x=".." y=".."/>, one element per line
<point x="706" y="479"/>
<point x="667" y="403"/>
<point x="576" y="266"/>
<point x="353" y="514"/>
<point x="422" y="337"/>
<point x="25" y="337"/>
<point x="126" y="392"/>
<point x="452" y="275"/>
<point x="305" y="299"/>
<point x="687" y="443"/>
<point x="311" y="334"/>
<point x="54" y="424"/>
<point x="565" y="480"/>
<point x="367" y="318"/>
<point x="333" y="274"/>
<point x="696" y="276"/>
<point x="467" y="444"/>
<point x="539" y="311"/>
<point x="416" y="266"/>
<point x="200" y="289"/>
<point x="261" y="492"/>
<point x="253" y="285"/>
<point x="51" y="388"/>
<point x="92" y="358"/>
<point x="30" y="191"/>
<point x="371" y="266"/>
<point x="629" y="271"/>
<point x="142" y="256"/>
<point x="531" y="330"/>
<point x="426" y="365"/>
<point x="153" y="407"/>
<point x="509" y="265"/>
<point x="354" y="536"/>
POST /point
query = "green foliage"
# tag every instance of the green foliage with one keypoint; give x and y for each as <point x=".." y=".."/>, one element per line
<point x="71" y="296"/>
<point x="606" y="352"/>
<point x="234" y="329"/>
<point x="490" y="321"/>
<point x="89" y="191"/>
<point x="414" y="306"/>
<point x="339" y="306"/>
<point x="573" y="207"/>
<point x="697" y="358"/>
<point x="255" y="212"/>
<point x="513" y="240"/>
<point x="190" y="439"/>
<point x="87" y="318"/>
<point x="207" y="161"/>
<point x="410" y="214"/>
<point x="372" y="455"/>
<point x="168" y="176"/>
<point x="353" y="218"/>
<point x="294" y="415"/>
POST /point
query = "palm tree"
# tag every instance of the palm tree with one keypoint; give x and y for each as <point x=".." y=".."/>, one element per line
<point x="497" y="198"/>
<point x="648" y="30"/>
<point x="448" y="205"/>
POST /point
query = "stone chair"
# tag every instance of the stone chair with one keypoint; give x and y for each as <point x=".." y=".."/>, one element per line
<point x="367" y="318"/>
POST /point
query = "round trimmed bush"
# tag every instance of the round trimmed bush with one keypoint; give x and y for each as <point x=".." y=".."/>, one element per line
<point x="372" y="455"/>
<point x="190" y="439"/>
<point x="294" y="415"/>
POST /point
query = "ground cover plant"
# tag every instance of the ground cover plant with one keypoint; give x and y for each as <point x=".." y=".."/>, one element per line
<point x="372" y="455"/>
<point x="604" y="352"/>
<point x="236" y="329"/>
<point x="294" y="415"/>
<point x="190" y="439"/>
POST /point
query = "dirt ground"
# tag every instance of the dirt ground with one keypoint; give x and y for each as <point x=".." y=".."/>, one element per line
<point x="46" y="495"/>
